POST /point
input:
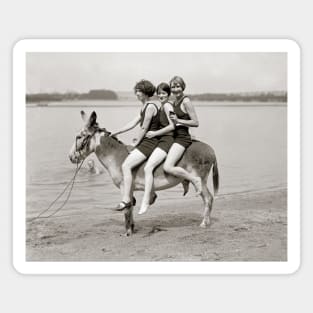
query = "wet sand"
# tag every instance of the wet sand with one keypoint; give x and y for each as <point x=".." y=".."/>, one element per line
<point x="244" y="227"/>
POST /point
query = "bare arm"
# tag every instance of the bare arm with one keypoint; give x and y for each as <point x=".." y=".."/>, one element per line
<point x="130" y="125"/>
<point x="167" y="108"/>
<point x="150" y="111"/>
<point x="193" y="122"/>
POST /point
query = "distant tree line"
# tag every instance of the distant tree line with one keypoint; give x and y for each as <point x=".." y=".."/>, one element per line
<point x="96" y="94"/>
<point x="103" y="94"/>
<point x="261" y="96"/>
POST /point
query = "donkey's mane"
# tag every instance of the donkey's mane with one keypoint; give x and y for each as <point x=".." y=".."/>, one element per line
<point x="113" y="141"/>
<point x="119" y="141"/>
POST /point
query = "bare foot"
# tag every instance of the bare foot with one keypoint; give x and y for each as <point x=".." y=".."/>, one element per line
<point x="198" y="185"/>
<point x="143" y="209"/>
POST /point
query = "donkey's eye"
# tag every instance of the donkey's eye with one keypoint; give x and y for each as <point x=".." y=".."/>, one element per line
<point x="78" y="137"/>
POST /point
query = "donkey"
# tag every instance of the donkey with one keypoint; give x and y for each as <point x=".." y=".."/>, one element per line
<point x="198" y="159"/>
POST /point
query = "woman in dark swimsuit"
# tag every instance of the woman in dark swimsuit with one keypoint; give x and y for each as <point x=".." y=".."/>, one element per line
<point x="143" y="147"/>
<point x="184" y="117"/>
<point x="165" y="140"/>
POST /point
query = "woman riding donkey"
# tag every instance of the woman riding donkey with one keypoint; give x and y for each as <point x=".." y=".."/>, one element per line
<point x="149" y="139"/>
<point x="185" y="116"/>
<point x="165" y="140"/>
<point x="168" y="136"/>
<point x="143" y="146"/>
<point x="198" y="159"/>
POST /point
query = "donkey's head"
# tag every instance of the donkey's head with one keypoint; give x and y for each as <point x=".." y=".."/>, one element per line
<point x="86" y="140"/>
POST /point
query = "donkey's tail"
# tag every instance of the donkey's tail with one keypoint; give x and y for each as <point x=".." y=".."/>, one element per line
<point x="216" y="179"/>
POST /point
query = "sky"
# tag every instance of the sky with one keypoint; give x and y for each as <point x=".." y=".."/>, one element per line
<point x="202" y="72"/>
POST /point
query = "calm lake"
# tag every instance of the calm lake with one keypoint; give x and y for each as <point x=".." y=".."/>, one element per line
<point x="250" y="141"/>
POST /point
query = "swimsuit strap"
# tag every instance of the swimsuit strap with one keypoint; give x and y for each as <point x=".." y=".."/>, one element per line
<point x="180" y="101"/>
<point x="162" y="114"/>
<point x="162" y="106"/>
<point x="144" y="110"/>
<point x="143" y="113"/>
<point x="178" y="110"/>
<point x="154" y="106"/>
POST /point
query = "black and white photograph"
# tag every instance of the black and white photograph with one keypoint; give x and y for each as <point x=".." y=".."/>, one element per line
<point x="157" y="156"/>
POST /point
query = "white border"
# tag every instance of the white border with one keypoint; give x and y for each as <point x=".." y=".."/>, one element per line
<point x="154" y="45"/>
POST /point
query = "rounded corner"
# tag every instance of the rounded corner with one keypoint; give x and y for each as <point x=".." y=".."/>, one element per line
<point x="19" y="45"/>
<point x="18" y="268"/>
<point x="294" y="44"/>
<point x="295" y="267"/>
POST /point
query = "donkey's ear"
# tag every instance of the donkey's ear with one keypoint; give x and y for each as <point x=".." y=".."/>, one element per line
<point x="83" y="115"/>
<point x="92" y="119"/>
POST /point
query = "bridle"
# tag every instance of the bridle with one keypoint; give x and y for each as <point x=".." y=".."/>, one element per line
<point x="87" y="139"/>
<point x="70" y="184"/>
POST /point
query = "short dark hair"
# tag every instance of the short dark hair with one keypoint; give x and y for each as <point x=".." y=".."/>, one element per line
<point x="164" y="87"/>
<point x="146" y="87"/>
<point x="178" y="80"/>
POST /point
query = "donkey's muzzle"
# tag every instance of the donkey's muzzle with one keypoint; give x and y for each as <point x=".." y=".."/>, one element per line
<point x="74" y="157"/>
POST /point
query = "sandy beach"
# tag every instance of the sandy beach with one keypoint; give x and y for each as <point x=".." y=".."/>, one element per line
<point x="245" y="227"/>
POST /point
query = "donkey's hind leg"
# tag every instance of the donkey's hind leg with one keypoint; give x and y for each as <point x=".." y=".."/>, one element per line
<point x="208" y="202"/>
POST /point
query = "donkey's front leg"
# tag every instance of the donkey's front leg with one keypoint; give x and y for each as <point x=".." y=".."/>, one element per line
<point x="129" y="221"/>
<point x="128" y="215"/>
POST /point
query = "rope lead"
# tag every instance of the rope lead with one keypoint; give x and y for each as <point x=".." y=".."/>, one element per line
<point x="71" y="182"/>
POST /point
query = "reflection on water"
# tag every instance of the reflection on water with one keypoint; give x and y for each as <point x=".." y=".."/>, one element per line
<point x="250" y="143"/>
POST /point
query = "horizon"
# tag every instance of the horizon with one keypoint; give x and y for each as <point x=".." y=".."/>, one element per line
<point x="132" y="93"/>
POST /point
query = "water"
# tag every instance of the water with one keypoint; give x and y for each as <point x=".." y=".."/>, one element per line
<point x="250" y="142"/>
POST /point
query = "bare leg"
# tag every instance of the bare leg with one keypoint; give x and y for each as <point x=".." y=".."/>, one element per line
<point x="173" y="156"/>
<point x="134" y="159"/>
<point x="155" y="159"/>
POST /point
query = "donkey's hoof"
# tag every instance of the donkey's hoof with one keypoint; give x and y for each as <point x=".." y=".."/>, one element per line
<point x="204" y="224"/>
<point x="128" y="233"/>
